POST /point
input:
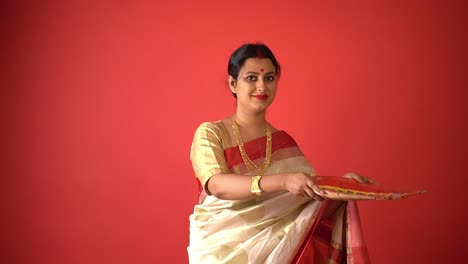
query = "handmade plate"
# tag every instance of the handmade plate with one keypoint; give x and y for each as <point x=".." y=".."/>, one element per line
<point x="342" y="188"/>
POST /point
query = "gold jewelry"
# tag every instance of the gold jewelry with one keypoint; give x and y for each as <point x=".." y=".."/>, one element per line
<point x="255" y="189"/>
<point x="247" y="161"/>
<point x="252" y="167"/>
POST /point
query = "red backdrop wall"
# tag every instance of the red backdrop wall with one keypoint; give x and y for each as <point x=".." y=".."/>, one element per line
<point x="102" y="99"/>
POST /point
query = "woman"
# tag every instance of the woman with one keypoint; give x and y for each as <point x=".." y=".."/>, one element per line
<point x="258" y="199"/>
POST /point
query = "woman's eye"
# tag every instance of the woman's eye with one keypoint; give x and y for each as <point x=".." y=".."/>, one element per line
<point x="270" y="78"/>
<point x="251" y="78"/>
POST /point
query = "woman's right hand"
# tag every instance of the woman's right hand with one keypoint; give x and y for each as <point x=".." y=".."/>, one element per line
<point x="302" y="184"/>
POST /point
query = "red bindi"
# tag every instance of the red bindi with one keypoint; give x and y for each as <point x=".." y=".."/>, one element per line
<point x="261" y="69"/>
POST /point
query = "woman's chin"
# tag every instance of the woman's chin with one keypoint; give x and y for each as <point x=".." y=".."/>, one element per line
<point x="261" y="108"/>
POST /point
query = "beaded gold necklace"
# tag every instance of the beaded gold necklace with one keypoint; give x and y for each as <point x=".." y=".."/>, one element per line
<point x="252" y="167"/>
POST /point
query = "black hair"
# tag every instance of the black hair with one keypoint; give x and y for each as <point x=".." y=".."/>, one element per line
<point x="246" y="51"/>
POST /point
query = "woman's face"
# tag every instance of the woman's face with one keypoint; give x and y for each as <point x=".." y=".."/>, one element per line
<point x="255" y="86"/>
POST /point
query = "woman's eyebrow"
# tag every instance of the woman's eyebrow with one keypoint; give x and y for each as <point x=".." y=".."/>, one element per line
<point x="251" y="72"/>
<point x="256" y="73"/>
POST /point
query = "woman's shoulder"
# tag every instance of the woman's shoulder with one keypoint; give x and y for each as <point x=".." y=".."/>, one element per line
<point x="211" y="129"/>
<point x="212" y="126"/>
<point x="214" y="132"/>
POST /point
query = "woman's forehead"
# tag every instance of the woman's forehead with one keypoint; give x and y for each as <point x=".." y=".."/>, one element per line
<point x="263" y="65"/>
<point x="257" y="64"/>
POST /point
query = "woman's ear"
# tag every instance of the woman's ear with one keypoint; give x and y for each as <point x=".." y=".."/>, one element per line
<point x="232" y="84"/>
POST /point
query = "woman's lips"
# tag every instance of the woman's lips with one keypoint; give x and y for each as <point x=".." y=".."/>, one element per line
<point x="261" y="97"/>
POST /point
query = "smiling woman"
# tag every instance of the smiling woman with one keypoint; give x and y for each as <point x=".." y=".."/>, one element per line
<point x="258" y="201"/>
<point x="256" y="84"/>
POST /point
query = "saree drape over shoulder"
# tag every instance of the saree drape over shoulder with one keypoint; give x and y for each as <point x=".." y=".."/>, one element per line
<point x="274" y="228"/>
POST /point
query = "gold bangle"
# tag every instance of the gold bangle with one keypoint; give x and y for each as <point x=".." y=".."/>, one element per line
<point x="255" y="189"/>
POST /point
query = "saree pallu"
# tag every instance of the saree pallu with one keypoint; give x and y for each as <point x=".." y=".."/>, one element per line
<point x="275" y="228"/>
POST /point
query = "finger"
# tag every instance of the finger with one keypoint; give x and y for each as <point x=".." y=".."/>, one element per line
<point x="373" y="181"/>
<point x="317" y="190"/>
<point x="365" y="180"/>
<point x="357" y="177"/>
<point x="317" y="197"/>
<point x="361" y="179"/>
<point x="313" y="195"/>
<point x="309" y="191"/>
<point x="311" y="184"/>
<point x="351" y="175"/>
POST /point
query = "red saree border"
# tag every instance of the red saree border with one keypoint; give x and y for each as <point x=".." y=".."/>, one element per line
<point x="356" y="248"/>
<point x="321" y="240"/>
<point x="256" y="147"/>
<point x="308" y="237"/>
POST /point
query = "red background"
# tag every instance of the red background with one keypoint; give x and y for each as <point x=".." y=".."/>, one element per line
<point x="102" y="99"/>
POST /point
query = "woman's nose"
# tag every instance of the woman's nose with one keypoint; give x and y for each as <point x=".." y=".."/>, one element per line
<point x="260" y="85"/>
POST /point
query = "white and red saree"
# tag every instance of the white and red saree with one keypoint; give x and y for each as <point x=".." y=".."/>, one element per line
<point x="275" y="228"/>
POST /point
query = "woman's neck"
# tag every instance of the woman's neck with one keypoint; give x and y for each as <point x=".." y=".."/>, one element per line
<point x="251" y="121"/>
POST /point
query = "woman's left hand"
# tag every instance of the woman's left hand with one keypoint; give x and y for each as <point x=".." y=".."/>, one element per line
<point x="359" y="178"/>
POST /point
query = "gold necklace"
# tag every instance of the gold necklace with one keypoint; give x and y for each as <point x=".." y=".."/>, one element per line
<point x="247" y="161"/>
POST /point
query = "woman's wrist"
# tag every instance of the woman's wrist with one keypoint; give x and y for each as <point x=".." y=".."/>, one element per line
<point x="284" y="181"/>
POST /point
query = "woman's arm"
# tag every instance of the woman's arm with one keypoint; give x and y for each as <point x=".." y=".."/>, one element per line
<point x="237" y="187"/>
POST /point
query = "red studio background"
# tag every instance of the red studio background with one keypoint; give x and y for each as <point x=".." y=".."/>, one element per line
<point x="101" y="100"/>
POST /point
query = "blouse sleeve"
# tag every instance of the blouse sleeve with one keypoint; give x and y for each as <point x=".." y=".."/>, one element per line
<point x="207" y="153"/>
